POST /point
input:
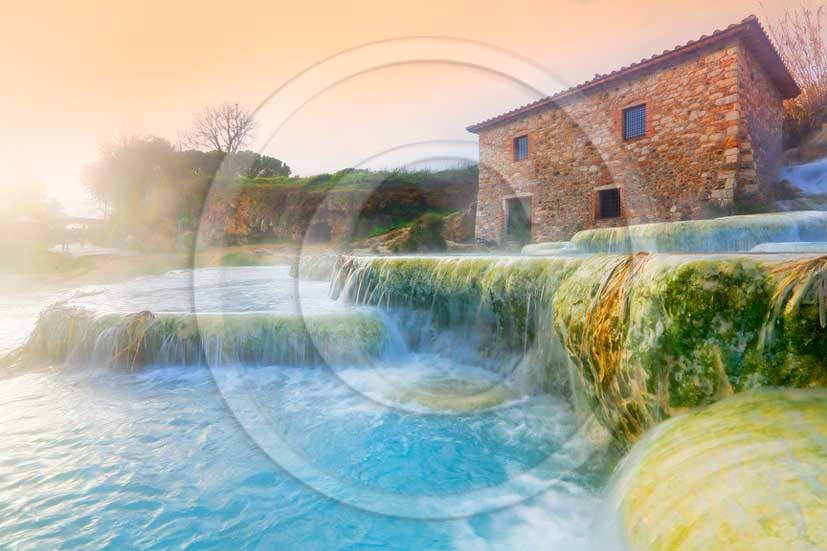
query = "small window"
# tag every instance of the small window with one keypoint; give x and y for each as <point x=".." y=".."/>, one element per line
<point x="521" y="148"/>
<point x="634" y="122"/>
<point x="608" y="203"/>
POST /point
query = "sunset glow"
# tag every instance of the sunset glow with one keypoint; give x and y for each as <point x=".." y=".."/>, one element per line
<point x="77" y="75"/>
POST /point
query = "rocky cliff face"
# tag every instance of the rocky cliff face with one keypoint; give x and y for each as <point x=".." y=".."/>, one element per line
<point x="260" y="212"/>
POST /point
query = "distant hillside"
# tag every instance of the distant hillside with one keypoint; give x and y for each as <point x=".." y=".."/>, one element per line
<point x="347" y="205"/>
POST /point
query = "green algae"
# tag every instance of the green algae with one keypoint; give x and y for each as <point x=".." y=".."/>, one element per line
<point x="716" y="312"/>
<point x="502" y="298"/>
<point x="688" y="333"/>
<point x="632" y="340"/>
<point x="629" y="339"/>
<point x="793" y="341"/>
<point x="457" y="290"/>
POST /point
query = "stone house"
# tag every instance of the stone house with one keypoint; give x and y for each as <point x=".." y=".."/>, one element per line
<point x="681" y="135"/>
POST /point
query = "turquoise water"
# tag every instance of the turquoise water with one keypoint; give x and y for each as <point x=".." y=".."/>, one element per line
<point x="167" y="458"/>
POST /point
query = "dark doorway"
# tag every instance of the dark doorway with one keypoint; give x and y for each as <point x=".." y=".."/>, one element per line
<point x="518" y="219"/>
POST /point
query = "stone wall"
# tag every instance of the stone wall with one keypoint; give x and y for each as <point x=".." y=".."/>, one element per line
<point x="760" y="133"/>
<point x="685" y="167"/>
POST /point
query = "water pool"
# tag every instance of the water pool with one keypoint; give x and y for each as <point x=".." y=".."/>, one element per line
<point x="95" y="459"/>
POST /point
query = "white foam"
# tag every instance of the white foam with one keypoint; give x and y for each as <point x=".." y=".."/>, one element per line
<point x="810" y="178"/>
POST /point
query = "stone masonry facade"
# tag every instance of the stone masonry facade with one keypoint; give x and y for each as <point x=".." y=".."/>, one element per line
<point x="761" y="117"/>
<point x="713" y="137"/>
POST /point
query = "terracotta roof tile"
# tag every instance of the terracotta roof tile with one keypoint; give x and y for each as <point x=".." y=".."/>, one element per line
<point x="755" y="38"/>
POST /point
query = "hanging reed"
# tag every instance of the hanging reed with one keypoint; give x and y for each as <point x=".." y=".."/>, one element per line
<point x="800" y="280"/>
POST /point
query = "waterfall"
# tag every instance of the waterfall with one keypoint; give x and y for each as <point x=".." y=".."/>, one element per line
<point x="809" y="185"/>
<point x="805" y="247"/>
<point x="726" y="234"/>
<point x="485" y="311"/>
<point x="76" y="336"/>
<point x="549" y="248"/>
<point x="631" y="339"/>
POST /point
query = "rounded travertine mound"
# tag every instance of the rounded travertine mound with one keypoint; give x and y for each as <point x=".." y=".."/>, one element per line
<point x="748" y="473"/>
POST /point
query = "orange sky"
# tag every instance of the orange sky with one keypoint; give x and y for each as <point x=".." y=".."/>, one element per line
<point x="77" y="72"/>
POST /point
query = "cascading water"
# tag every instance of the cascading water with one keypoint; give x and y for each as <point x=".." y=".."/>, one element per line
<point x="801" y="247"/>
<point x="454" y="306"/>
<point x="75" y="336"/>
<point x="549" y="248"/>
<point x="809" y="185"/>
<point x="726" y="234"/>
<point x="495" y="387"/>
<point x="363" y="394"/>
<point x="629" y="339"/>
<point x="640" y="339"/>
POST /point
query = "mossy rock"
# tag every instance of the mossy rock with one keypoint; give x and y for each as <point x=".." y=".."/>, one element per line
<point x="631" y="339"/>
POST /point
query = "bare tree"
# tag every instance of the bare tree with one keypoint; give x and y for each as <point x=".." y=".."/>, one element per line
<point x="127" y="134"/>
<point x="799" y="37"/>
<point x="226" y="127"/>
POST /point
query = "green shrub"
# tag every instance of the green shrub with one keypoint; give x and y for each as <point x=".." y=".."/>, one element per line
<point x="749" y="204"/>
<point x="241" y="258"/>
<point x="425" y="235"/>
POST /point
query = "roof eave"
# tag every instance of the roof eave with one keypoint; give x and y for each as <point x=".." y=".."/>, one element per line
<point x="779" y="73"/>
